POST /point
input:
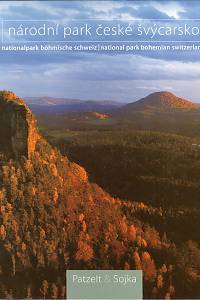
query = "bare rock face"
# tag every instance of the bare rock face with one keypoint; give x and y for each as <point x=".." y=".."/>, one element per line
<point x="18" y="127"/>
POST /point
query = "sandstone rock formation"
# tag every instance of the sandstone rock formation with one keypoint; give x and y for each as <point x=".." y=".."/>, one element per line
<point x="18" y="132"/>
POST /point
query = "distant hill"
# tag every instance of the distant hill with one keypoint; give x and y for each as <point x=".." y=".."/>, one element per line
<point x="41" y="105"/>
<point x="159" y="101"/>
<point x="72" y="119"/>
<point x="161" y="111"/>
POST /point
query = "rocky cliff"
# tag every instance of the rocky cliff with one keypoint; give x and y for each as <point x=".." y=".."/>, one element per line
<point x="18" y="133"/>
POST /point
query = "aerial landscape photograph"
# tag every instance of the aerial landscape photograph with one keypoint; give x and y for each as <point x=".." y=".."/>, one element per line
<point x="100" y="157"/>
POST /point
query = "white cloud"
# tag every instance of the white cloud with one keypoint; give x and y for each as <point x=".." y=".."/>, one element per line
<point x="172" y="9"/>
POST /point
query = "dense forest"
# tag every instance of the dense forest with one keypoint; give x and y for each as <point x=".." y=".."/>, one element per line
<point x="157" y="169"/>
<point x="52" y="218"/>
<point x="160" y="169"/>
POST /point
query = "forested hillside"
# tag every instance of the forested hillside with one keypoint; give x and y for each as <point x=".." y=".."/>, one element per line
<point x="161" y="170"/>
<point x="53" y="219"/>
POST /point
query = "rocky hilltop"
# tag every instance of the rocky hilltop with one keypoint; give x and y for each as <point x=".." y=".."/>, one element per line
<point x="18" y="132"/>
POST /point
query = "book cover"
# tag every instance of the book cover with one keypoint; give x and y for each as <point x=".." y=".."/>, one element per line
<point x="100" y="150"/>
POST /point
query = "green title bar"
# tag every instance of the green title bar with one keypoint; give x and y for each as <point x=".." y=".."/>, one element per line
<point x="104" y="284"/>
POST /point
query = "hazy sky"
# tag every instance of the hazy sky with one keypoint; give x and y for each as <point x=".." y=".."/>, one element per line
<point x="100" y="76"/>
